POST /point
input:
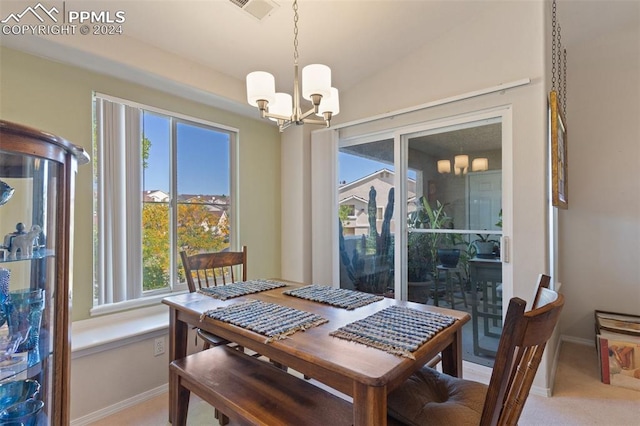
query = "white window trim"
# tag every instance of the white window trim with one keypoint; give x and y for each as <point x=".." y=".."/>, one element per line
<point x="142" y="302"/>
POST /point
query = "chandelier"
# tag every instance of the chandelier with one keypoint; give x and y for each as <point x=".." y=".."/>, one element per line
<point x="461" y="165"/>
<point x="281" y="107"/>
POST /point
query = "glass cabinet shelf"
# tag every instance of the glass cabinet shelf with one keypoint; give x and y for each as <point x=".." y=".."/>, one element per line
<point x="40" y="253"/>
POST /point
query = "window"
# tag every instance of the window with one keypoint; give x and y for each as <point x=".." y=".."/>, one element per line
<point x="163" y="183"/>
<point x="351" y="210"/>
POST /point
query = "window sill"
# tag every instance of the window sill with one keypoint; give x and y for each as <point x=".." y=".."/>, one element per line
<point x="108" y="332"/>
<point x="142" y="302"/>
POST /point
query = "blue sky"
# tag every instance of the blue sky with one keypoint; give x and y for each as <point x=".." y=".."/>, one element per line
<point x="203" y="158"/>
<point x="352" y="167"/>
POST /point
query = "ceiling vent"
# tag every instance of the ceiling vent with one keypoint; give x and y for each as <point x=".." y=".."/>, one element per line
<point x="256" y="8"/>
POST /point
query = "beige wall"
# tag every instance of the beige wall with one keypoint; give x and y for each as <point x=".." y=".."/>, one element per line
<point x="600" y="232"/>
<point x="57" y="98"/>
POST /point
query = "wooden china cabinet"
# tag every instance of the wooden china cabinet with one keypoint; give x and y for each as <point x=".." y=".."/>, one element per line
<point x="37" y="174"/>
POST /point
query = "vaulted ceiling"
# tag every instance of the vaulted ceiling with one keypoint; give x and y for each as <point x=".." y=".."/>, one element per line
<point x="356" y="38"/>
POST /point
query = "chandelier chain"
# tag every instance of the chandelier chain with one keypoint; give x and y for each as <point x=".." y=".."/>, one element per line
<point x="553" y="46"/>
<point x="564" y="82"/>
<point x="559" y="62"/>
<point x="295" y="32"/>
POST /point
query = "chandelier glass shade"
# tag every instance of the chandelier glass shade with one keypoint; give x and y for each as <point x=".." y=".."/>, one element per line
<point x="282" y="105"/>
<point x="480" y="165"/>
<point x="284" y="108"/>
<point x="461" y="161"/>
<point x="444" y="166"/>
<point x="461" y="165"/>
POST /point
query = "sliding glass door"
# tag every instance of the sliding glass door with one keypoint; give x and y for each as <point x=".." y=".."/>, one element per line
<point x="454" y="227"/>
<point x="420" y="219"/>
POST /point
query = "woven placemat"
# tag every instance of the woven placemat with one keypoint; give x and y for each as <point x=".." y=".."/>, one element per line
<point x="340" y="297"/>
<point x="397" y="329"/>
<point x="269" y="319"/>
<point x="240" y="288"/>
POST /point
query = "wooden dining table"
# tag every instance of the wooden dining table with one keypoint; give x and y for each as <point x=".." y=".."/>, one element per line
<point x="362" y="372"/>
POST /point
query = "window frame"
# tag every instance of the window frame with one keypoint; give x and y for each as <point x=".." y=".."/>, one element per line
<point x="352" y="211"/>
<point x="145" y="298"/>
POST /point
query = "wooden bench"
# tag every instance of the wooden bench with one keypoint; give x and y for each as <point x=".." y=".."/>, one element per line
<point x="253" y="392"/>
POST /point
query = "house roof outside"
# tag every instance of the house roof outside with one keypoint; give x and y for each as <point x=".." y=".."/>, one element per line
<point x="215" y="203"/>
<point x="382" y="180"/>
<point x="356" y="193"/>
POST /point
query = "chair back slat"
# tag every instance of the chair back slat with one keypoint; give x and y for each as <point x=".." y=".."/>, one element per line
<point x="521" y="384"/>
<point x="204" y="269"/>
<point x="524" y="337"/>
<point x="504" y="361"/>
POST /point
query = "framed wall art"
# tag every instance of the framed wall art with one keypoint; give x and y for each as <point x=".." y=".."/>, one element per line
<point x="559" y="184"/>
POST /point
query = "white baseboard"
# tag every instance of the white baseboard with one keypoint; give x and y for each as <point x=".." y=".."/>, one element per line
<point x="107" y="411"/>
<point x="578" y="340"/>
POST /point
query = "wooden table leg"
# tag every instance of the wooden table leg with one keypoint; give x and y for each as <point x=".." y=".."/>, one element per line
<point x="178" y="333"/>
<point x="452" y="356"/>
<point x="179" y="405"/>
<point x="369" y="405"/>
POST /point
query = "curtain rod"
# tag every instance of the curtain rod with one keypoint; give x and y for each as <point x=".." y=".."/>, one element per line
<point x="464" y="96"/>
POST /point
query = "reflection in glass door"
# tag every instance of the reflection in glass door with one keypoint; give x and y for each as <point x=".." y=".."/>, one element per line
<point x="454" y="228"/>
<point x="367" y="225"/>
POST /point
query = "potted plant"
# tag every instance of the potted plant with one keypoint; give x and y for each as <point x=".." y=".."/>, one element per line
<point x="484" y="246"/>
<point x="487" y="248"/>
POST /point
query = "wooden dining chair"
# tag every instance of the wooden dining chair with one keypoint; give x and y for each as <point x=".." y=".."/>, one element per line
<point x="212" y="269"/>
<point x="433" y="398"/>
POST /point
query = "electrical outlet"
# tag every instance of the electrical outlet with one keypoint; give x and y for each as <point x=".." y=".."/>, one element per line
<point x="158" y="346"/>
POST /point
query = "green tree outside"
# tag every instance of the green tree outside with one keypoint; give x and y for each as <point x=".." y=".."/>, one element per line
<point x="197" y="232"/>
<point x="343" y="214"/>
